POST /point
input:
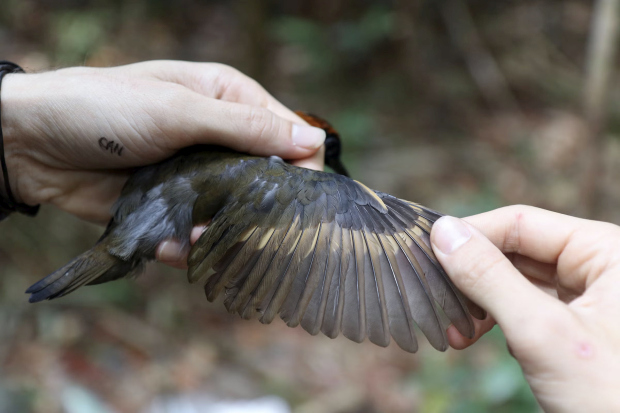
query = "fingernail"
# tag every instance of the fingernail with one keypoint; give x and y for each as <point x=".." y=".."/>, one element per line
<point x="308" y="136"/>
<point x="169" y="251"/>
<point x="449" y="234"/>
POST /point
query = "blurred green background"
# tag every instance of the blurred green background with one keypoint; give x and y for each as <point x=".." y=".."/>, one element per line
<point x="463" y="106"/>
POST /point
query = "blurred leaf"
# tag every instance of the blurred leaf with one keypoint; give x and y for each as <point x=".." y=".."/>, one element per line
<point x="356" y="126"/>
<point x="78" y="34"/>
<point x="362" y="36"/>
<point x="466" y="204"/>
<point x="299" y="31"/>
<point x="311" y="37"/>
<point x="502" y="382"/>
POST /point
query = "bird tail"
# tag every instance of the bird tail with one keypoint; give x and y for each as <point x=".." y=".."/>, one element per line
<point x="95" y="266"/>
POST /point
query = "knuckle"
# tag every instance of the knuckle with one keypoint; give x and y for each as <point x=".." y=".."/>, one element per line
<point x="256" y="118"/>
<point x="512" y="240"/>
<point x="226" y="70"/>
<point x="263" y="97"/>
<point x="236" y="86"/>
<point x="221" y="79"/>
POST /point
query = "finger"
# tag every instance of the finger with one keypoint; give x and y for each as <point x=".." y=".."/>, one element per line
<point x="542" y="275"/>
<point x="580" y="248"/>
<point x="249" y="118"/>
<point x="459" y="341"/>
<point x="549" y="289"/>
<point x="226" y="84"/>
<point x="533" y="232"/>
<point x="216" y="81"/>
<point x="485" y="275"/>
<point x="542" y="271"/>
<point x="566" y="295"/>
<point x="315" y="162"/>
<point x="601" y="298"/>
<point x="196" y="233"/>
<point x="171" y="252"/>
<point x="245" y="128"/>
<point x="529" y="231"/>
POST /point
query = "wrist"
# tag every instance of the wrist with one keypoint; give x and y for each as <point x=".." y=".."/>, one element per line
<point x="13" y="97"/>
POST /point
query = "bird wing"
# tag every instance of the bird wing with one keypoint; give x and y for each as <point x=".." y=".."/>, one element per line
<point x="326" y="252"/>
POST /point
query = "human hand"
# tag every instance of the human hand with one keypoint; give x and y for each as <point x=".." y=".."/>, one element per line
<point x="567" y="342"/>
<point x="72" y="136"/>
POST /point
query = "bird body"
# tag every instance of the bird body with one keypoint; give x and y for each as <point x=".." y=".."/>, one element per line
<point x="316" y="248"/>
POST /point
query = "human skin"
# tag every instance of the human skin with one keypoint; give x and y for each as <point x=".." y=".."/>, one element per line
<point x="552" y="283"/>
<point x="72" y="136"/>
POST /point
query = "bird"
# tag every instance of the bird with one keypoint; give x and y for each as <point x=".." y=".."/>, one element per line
<point x="318" y="249"/>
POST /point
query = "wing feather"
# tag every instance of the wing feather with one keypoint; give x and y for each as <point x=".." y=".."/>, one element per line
<point x="262" y="295"/>
<point x="391" y="249"/>
<point x="315" y="278"/>
<point x="334" y="299"/>
<point x="237" y="274"/>
<point x="376" y="312"/>
<point x="248" y="289"/>
<point x="281" y="281"/>
<point x="300" y="281"/>
<point x="234" y="260"/>
<point x="444" y="291"/>
<point x="330" y="254"/>
<point x="400" y="320"/>
<point x="225" y="250"/>
<point x="314" y="312"/>
<point x="351" y="322"/>
<point x="421" y="301"/>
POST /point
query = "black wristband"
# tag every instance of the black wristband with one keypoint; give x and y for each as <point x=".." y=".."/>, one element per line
<point x="9" y="204"/>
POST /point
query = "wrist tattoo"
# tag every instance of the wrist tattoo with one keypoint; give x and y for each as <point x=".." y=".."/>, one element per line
<point x="111" y="146"/>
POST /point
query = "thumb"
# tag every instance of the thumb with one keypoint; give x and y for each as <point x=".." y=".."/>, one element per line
<point x="486" y="276"/>
<point x="249" y="129"/>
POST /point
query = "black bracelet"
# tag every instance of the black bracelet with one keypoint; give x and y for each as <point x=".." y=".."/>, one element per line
<point x="9" y="204"/>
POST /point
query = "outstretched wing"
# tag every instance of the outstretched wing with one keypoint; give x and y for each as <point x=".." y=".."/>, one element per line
<point x="326" y="252"/>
